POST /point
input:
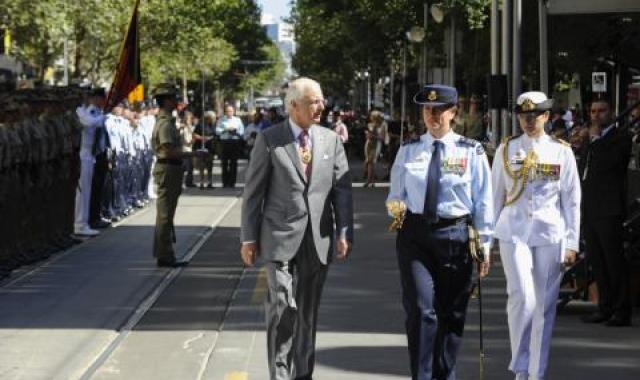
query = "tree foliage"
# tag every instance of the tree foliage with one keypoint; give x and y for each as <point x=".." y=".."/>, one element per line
<point x="179" y="38"/>
<point x="337" y="38"/>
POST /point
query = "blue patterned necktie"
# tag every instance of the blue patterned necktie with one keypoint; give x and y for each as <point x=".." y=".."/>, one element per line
<point x="433" y="184"/>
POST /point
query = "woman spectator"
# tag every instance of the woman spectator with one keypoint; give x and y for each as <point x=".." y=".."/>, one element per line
<point x="203" y="141"/>
<point x="186" y="127"/>
<point x="340" y="127"/>
<point x="376" y="135"/>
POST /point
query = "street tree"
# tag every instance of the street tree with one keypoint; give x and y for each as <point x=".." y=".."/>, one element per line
<point x="178" y="38"/>
<point x="336" y="39"/>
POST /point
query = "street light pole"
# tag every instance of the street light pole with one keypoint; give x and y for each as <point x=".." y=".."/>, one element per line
<point x="452" y="53"/>
<point x="404" y="92"/>
<point x="544" y="58"/>
<point x="425" y="78"/>
<point x="517" y="57"/>
<point x="506" y="67"/>
<point x="368" y="76"/>
<point x="391" y="88"/>
<point x="495" y="67"/>
<point x="203" y="102"/>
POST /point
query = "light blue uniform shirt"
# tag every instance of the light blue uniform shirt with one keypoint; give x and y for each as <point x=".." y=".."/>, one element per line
<point x="226" y="125"/>
<point x="465" y="182"/>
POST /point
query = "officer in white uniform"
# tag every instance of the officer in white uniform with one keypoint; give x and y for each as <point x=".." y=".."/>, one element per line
<point x="113" y="130"/>
<point x="147" y="121"/>
<point x="91" y="117"/>
<point x="537" y="207"/>
<point x="444" y="181"/>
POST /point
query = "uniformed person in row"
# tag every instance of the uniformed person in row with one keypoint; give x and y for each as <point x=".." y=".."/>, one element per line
<point x="444" y="181"/>
<point x="146" y="123"/>
<point x="101" y="145"/>
<point x="536" y="191"/>
<point x="167" y="173"/>
<point x="92" y="118"/>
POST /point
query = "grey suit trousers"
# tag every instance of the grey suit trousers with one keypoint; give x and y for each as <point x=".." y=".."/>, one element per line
<point x="291" y="309"/>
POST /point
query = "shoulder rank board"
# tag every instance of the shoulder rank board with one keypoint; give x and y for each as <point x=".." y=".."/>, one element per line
<point x="472" y="143"/>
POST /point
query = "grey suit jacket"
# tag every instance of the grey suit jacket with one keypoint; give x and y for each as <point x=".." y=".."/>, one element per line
<point x="279" y="203"/>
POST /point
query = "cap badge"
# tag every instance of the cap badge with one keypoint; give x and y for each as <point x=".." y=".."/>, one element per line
<point x="432" y="96"/>
<point x="528" y="105"/>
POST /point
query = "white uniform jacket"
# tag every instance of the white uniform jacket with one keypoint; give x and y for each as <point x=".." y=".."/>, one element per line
<point x="91" y="118"/>
<point x="548" y="210"/>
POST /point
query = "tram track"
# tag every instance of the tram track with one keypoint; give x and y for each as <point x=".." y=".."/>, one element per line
<point x="154" y="294"/>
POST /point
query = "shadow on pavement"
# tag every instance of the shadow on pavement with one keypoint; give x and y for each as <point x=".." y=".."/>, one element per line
<point x="380" y="360"/>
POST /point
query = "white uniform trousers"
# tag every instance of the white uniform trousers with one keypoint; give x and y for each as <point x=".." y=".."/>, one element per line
<point x="533" y="282"/>
<point x="151" y="187"/>
<point x="83" y="194"/>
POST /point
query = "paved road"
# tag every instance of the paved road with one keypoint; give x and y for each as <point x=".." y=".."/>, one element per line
<point x="103" y="311"/>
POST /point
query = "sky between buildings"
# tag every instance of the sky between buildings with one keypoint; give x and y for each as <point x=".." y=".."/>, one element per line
<point x="274" y="10"/>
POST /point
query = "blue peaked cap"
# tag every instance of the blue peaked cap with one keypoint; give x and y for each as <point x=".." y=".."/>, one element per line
<point x="436" y="95"/>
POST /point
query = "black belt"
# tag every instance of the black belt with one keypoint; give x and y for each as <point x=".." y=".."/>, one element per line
<point x="440" y="222"/>
<point x="169" y="161"/>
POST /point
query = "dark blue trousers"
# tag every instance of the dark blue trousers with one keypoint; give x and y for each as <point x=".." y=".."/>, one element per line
<point x="435" y="271"/>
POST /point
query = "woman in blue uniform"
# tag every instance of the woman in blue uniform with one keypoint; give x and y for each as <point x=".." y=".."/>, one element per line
<point x="443" y="182"/>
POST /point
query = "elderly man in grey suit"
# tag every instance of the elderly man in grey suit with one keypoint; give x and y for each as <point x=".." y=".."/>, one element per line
<point x="297" y="206"/>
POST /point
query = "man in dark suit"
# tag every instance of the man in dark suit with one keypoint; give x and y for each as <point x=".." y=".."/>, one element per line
<point x="603" y="167"/>
<point x="298" y="189"/>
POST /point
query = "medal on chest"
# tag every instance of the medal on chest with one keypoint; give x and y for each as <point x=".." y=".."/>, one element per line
<point x="547" y="172"/>
<point x="305" y="155"/>
<point x="454" y="165"/>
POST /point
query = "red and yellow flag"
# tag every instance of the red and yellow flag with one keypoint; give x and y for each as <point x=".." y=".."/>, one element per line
<point x="127" y="82"/>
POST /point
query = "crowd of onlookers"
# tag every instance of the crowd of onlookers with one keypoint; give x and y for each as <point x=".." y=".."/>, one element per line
<point x="227" y="138"/>
<point x="374" y="137"/>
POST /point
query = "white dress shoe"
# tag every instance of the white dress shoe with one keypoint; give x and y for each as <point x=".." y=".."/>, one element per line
<point x="86" y="231"/>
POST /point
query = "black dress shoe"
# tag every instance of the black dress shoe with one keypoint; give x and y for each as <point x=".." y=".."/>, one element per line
<point x="618" y="321"/>
<point x="596" y="317"/>
<point x="100" y="224"/>
<point x="171" y="264"/>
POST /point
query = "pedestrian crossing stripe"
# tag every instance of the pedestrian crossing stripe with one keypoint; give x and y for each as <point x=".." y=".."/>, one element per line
<point x="236" y="376"/>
